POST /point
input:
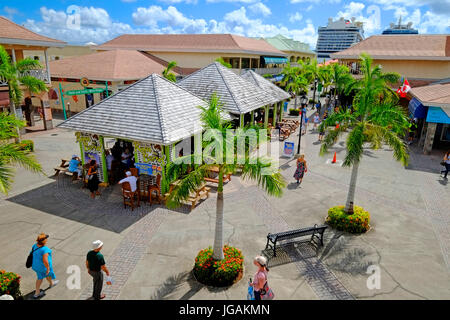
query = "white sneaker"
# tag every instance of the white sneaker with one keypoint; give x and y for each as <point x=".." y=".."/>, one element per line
<point x="54" y="283"/>
<point x="41" y="294"/>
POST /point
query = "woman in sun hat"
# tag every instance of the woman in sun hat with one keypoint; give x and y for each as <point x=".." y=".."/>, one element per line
<point x="42" y="264"/>
<point x="260" y="278"/>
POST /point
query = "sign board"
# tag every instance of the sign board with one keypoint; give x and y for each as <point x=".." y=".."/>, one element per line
<point x="144" y="168"/>
<point x="81" y="92"/>
<point x="285" y="106"/>
<point x="288" y="149"/>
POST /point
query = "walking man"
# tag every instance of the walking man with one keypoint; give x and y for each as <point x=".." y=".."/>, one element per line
<point x="95" y="263"/>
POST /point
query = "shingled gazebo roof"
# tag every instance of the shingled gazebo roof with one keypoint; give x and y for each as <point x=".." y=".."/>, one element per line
<point x="265" y="85"/>
<point x="237" y="95"/>
<point x="152" y="110"/>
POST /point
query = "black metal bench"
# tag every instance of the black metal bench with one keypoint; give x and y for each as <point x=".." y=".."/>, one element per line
<point x="315" y="232"/>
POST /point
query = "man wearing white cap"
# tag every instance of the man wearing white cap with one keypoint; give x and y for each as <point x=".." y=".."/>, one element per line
<point x="95" y="263"/>
<point x="131" y="179"/>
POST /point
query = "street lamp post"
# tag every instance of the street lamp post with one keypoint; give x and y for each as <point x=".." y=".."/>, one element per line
<point x="304" y="101"/>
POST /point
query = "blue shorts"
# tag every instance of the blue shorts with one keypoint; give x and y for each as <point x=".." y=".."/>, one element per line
<point x="43" y="275"/>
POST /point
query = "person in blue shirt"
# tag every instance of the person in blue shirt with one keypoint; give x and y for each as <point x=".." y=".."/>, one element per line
<point x="74" y="165"/>
<point x="42" y="264"/>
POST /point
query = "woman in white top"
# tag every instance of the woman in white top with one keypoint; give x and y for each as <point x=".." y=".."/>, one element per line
<point x="260" y="278"/>
<point x="316" y="120"/>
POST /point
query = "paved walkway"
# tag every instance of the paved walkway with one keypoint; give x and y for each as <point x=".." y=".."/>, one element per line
<point x="150" y="251"/>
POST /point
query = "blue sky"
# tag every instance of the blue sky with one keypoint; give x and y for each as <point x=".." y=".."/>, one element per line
<point x="102" y="20"/>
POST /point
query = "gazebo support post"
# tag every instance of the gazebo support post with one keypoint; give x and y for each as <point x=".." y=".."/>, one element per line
<point x="82" y="154"/>
<point x="266" y="117"/>
<point x="241" y="120"/>
<point x="164" y="182"/>
<point x="275" y="114"/>
<point x="103" y="159"/>
<point x="281" y="110"/>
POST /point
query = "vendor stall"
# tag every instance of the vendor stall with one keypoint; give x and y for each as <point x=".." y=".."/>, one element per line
<point x="149" y="117"/>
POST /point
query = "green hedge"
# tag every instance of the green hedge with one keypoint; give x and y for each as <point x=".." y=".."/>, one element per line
<point x="358" y="222"/>
<point x="10" y="284"/>
<point x="27" y="145"/>
<point x="221" y="273"/>
<point x="294" y="112"/>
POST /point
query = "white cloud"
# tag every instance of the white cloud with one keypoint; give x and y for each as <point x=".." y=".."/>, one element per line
<point x="10" y="12"/>
<point x="309" y="8"/>
<point x="439" y="7"/>
<point x="295" y="17"/>
<point x="180" y="1"/>
<point x="371" y="23"/>
<point x="260" y="8"/>
<point x="237" y="1"/>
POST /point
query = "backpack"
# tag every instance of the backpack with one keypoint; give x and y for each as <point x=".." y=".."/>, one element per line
<point x="29" y="262"/>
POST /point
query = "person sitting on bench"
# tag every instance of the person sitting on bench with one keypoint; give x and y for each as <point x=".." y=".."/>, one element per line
<point x="75" y="166"/>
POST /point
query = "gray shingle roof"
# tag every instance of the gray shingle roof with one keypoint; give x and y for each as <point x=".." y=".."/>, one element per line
<point x="152" y="110"/>
<point x="265" y="85"/>
<point x="237" y="95"/>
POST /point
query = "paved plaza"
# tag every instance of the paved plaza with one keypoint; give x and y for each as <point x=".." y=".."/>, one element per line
<point x="150" y="251"/>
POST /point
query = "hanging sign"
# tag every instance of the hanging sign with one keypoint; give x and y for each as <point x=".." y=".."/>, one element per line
<point x="90" y="143"/>
<point x="84" y="91"/>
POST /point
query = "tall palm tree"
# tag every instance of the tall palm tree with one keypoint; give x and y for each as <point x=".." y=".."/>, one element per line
<point x="11" y="153"/>
<point x="325" y="76"/>
<point x="340" y="77"/>
<point x="259" y="170"/>
<point x="16" y="75"/>
<point x="167" y="72"/>
<point x="312" y="73"/>
<point x="294" y="79"/>
<point x="377" y="119"/>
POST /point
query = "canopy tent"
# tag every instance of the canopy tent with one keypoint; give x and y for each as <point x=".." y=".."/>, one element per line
<point x="275" y="60"/>
<point x="237" y="95"/>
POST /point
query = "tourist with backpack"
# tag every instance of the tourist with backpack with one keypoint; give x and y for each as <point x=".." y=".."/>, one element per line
<point x="40" y="260"/>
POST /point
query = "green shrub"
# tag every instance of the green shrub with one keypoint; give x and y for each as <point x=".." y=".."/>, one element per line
<point x="358" y="222"/>
<point x="219" y="273"/>
<point x="10" y="284"/>
<point x="27" y="145"/>
<point x="294" y="112"/>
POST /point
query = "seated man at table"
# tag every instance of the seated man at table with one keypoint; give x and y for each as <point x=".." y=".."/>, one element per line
<point x="74" y="166"/>
<point x="131" y="179"/>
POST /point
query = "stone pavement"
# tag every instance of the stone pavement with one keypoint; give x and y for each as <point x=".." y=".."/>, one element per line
<point x="150" y="251"/>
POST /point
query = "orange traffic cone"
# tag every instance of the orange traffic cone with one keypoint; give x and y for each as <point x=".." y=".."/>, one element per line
<point x="334" y="158"/>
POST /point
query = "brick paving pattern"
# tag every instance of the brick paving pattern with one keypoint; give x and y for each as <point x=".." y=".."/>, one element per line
<point x="323" y="282"/>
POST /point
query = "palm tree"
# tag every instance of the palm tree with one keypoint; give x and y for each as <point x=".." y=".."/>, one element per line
<point x="325" y="76"/>
<point x="294" y="79"/>
<point x="259" y="170"/>
<point x="15" y="75"/>
<point x="312" y="74"/>
<point x="167" y="72"/>
<point x="11" y="153"/>
<point x="223" y="62"/>
<point x="340" y="77"/>
<point x="377" y="119"/>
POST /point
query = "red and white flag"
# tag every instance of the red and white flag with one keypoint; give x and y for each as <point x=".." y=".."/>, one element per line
<point x="403" y="90"/>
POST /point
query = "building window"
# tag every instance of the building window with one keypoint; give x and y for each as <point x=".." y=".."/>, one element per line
<point x="245" y="63"/>
<point x="56" y="58"/>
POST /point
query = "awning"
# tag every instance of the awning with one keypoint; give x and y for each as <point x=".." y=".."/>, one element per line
<point x="275" y="60"/>
<point x="437" y="115"/>
<point x="417" y="109"/>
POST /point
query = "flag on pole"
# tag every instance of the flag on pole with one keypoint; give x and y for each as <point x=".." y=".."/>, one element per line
<point x="404" y="88"/>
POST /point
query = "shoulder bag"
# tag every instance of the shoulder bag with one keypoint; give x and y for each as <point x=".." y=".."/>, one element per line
<point x="29" y="262"/>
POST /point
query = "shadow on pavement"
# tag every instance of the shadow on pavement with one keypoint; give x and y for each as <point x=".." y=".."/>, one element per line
<point x="290" y="252"/>
<point x="67" y="200"/>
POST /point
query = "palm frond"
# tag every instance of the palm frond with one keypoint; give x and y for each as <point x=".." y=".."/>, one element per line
<point x="28" y="64"/>
<point x="33" y="84"/>
<point x="269" y="179"/>
<point x="6" y="178"/>
<point x="354" y="144"/>
<point x="12" y="154"/>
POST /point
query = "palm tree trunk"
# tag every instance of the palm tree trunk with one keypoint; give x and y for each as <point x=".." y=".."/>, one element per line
<point x="351" y="189"/>
<point x="218" y="238"/>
